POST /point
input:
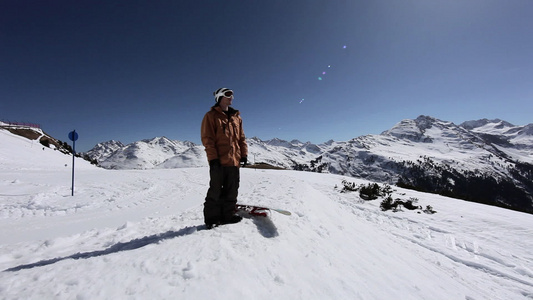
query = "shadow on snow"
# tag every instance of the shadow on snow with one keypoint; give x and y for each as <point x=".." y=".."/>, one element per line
<point x="264" y="224"/>
<point x="131" y="245"/>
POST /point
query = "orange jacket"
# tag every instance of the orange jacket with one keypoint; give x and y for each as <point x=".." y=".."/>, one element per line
<point x="223" y="137"/>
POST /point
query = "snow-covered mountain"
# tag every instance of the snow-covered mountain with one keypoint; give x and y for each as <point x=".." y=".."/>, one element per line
<point x="468" y="161"/>
<point x="104" y="150"/>
<point x="408" y="140"/>
<point x="487" y="161"/>
<point x="502" y="133"/>
<point x="159" y="152"/>
<point x="128" y="234"/>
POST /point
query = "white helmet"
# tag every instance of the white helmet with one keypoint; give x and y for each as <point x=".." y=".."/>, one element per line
<point x="222" y="92"/>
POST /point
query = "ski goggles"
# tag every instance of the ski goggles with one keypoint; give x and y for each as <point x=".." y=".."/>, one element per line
<point x="225" y="93"/>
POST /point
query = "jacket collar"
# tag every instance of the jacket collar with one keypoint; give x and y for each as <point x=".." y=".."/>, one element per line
<point x="231" y="110"/>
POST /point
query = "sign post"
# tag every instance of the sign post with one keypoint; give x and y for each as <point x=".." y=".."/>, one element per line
<point x="73" y="136"/>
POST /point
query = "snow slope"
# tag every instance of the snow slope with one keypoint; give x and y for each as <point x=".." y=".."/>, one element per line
<point x="138" y="234"/>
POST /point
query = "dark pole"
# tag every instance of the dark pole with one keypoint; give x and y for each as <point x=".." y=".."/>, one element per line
<point x="73" y="156"/>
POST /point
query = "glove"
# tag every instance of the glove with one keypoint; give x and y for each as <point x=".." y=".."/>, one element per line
<point x="214" y="162"/>
<point x="244" y="161"/>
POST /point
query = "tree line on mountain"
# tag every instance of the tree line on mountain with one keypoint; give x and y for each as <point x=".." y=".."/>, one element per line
<point x="315" y="165"/>
<point x="514" y="192"/>
<point x="65" y="148"/>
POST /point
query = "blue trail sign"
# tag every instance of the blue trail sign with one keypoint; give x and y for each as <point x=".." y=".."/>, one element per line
<point x="73" y="136"/>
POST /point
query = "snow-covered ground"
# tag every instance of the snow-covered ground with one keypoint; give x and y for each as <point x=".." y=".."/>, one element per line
<point x="135" y="234"/>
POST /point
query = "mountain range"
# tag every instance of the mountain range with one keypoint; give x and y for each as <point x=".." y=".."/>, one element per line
<point x="488" y="161"/>
<point x="121" y="234"/>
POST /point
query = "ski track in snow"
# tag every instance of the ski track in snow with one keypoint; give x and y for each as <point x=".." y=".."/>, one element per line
<point x="140" y="234"/>
<point x="458" y="247"/>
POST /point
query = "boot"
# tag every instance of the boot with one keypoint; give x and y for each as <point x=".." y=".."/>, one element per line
<point x="212" y="222"/>
<point x="232" y="220"/>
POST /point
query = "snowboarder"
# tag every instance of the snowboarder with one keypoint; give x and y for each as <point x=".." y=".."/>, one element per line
<point x="226" y="148"/>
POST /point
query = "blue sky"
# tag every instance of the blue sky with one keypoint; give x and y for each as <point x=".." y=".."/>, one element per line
<point x="132" y="70"/>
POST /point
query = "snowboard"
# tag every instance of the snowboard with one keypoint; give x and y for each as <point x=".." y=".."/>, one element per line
<point x="260" y="211"/>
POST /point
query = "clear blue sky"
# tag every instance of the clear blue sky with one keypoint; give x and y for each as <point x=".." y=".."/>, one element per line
<point x="131" y="70"/>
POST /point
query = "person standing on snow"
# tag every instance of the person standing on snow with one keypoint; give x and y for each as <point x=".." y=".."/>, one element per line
<point x="226" y="148"/>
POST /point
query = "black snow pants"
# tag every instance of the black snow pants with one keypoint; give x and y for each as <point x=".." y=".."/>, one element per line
<point x="221" y="197"/>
